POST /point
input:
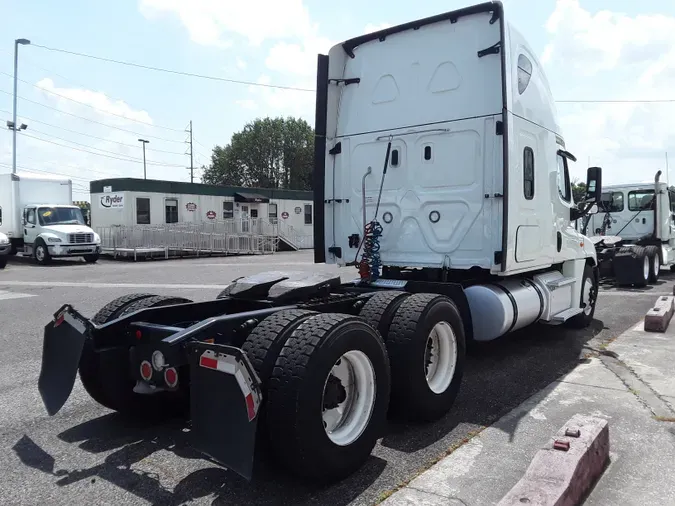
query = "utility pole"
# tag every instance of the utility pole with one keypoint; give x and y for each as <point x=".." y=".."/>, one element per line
<point x="14" y="127"/>
<point x="144" y="143"/>
<point x="189" y="142"/>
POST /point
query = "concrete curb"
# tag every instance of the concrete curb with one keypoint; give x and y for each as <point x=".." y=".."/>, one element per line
<point x="658" y="317"/>
<point x="563" y="472"/>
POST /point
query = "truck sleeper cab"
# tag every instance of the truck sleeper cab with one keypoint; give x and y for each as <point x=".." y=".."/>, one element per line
<point x="442" y="180"/>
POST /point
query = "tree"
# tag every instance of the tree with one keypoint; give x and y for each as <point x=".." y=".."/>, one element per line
<point x="267" y="153"/>
<point x="578" y="190"/>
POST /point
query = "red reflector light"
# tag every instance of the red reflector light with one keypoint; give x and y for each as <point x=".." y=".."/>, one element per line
<point x="250" y="406"/>
<point x="171" y="377"/>
<point x="208" y="362"/>
<point x="138" y="334"/>
<point x="146" y="370"/>
<point x="58" y="321"/>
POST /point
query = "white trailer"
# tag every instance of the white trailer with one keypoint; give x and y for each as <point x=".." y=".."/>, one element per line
<point x="38" y="216"/>
<point x="442" y="174"/>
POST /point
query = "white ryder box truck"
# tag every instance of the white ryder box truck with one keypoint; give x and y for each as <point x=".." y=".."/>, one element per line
<point x="38" y="216"/>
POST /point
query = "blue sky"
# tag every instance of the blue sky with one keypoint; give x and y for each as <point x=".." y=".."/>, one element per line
<point x="625" y="53"/>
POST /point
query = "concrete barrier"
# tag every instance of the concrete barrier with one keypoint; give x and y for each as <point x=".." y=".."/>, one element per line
<point x="563" y="472"/>
<point x="658" y="317"/>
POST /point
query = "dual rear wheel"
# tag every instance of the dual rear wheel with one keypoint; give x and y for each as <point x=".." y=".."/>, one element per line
<point x="331" y="379"/>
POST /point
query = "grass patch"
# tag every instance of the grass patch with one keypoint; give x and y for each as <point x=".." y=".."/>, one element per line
<point x="388" y="493"/>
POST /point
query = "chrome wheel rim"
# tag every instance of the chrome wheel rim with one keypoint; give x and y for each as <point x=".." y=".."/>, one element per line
<point x="348" y="398"/>
<point x="645" y="267"/>
<point x="40" y="253"/>
<point x="657" y="266"/>
<point x="440" y="358"/>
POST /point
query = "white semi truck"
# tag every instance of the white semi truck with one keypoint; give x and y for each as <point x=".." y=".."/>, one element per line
<point x="38" y="216"/>
<point x="634" y="231"/>
<point x="441" y="173"/>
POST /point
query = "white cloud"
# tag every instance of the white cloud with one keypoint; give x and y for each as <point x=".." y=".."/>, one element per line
<point x="297" y="58"/>
<point x="375" y="27"/>
<point x="241" y="63"/>
<point x="101" y="103"/>
<point x="608" y="55"/>
<point x="208" y="21"/>
<point x="96" y="140"/>
<point x="285" y="102"/>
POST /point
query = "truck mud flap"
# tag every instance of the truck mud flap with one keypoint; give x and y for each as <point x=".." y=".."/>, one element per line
<point x="225" y="399"/>
<point x="61" y="350"/>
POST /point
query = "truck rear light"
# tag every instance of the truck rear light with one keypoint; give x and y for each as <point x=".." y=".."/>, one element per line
<point x="139" y="334"/>
<point x="158" y="361"/>
<point x="146" y="370"/>
<point x="171" y="377"/>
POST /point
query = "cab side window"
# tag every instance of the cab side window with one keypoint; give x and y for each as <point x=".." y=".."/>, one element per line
<point x="564" y="180"/>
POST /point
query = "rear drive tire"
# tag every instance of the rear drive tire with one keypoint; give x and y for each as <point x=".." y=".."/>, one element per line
<point x="107" y="377"/>
<point x="41" y="252"/>
<point x="654" y="263"/>
<point x="427" y="350"/>
<point x="262" y="347"/>
<point x="631" y="266"/>
<point x="380" y="309"/>
<point x="588" y="299"/>
<point x="330" y="361"/>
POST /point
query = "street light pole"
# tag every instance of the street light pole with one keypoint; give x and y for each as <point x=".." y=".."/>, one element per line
<point x="144" y="143"/>
<point x="14" y="126"/>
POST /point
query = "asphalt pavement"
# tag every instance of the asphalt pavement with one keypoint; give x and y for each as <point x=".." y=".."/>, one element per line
<point x="88" y="454"/>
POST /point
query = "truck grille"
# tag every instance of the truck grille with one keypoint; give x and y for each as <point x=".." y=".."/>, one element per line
<point x="80" y="238"/>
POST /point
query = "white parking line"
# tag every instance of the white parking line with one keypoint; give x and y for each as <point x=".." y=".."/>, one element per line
<point x="4" y="295"/>
<point x="108" y="285"/>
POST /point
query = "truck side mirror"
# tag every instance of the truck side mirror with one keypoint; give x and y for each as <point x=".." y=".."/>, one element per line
<point x="593" y="184"/>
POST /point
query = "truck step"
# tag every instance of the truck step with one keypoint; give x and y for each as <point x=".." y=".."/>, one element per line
<point x="563" y="316"/>
<point x="392" y="284"/>
<point x="559" y="283"/>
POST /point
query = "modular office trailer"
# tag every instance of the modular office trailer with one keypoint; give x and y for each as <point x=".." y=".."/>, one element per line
<point x="131" y="201"/>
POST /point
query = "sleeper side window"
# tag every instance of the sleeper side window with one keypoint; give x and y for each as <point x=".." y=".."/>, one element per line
<point x="524" y="73"/>
<point x="143" y="211"/>
<point x="528" y="173"/>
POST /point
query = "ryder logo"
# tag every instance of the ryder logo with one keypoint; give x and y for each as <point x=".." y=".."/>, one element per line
<point x="112" y="201"/>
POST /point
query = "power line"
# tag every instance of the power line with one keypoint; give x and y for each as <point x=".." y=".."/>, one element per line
<point x="93" y="136"/>
<point x="76" y="167"/>
<point x="169" y="71"/>
<point x="655" y="101"/>
<point x="85" y="145"/>
<point x="132" y="160"/>
<point x="38" y="171"/>
<point x="91" y="120"/>
<point x="92" y="106"/>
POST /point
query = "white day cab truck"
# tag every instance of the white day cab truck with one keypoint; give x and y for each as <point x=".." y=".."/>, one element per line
<point x="634" y="232"/>
<point x="442" y="176"/>
<point x="38" y="217"/>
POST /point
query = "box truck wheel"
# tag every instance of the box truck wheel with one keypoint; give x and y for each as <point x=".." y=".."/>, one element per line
<point x="380" y="309"/>
<point x="3" y="262"/>
<point x="427" y="348"/>
<point x="41" y="252"/>
<point x="654" y="256"/>
<point x="106" y="375"/>
<point x="91" y="259"/>
<point x="589" y="297"/>
<point x="328" y="396"/>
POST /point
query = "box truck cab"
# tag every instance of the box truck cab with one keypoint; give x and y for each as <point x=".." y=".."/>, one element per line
<point x="40" y="220"/>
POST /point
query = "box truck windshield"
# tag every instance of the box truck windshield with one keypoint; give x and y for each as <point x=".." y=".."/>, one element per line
<point x="60" y="216"/>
